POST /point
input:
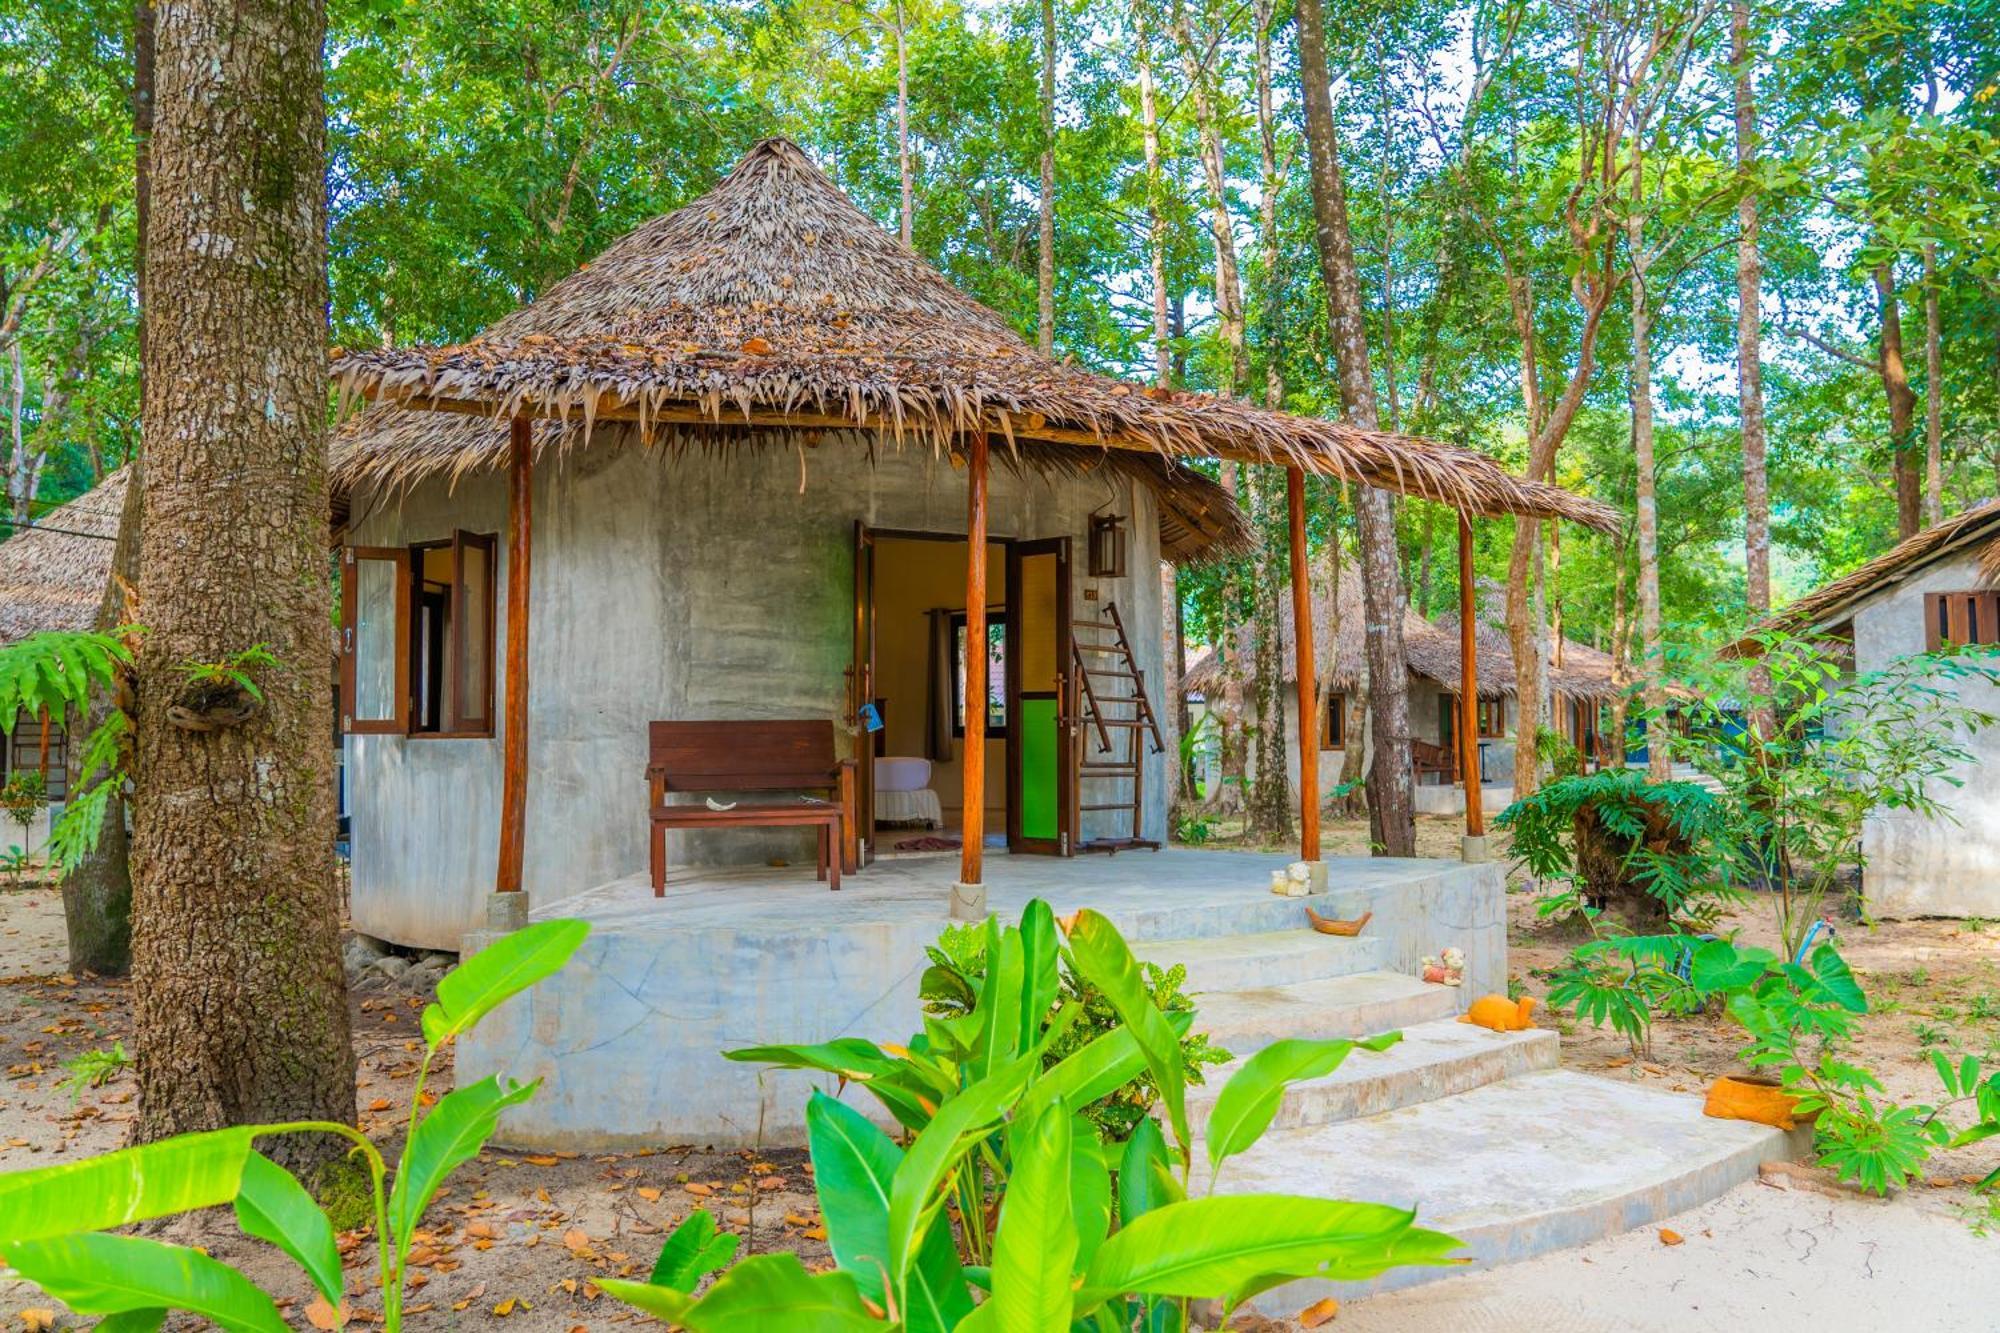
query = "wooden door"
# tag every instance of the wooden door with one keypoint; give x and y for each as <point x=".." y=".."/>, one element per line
<point x="1041" y="755"/>
<point x="860" y="848"/>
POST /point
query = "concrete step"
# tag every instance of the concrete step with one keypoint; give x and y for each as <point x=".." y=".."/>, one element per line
<point x="1269" y="958"/>
<point x="1518" y="1168"/>
<point x="1437" y="1059"/>
<point x="1242" y="1021"/>
<point x="1242" y="903"/>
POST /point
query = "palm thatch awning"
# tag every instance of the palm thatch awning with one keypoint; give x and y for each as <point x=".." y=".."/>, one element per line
<point x="774" y="304"/>
<point x="53" y="575"/>
<point x="1430" y="649"/>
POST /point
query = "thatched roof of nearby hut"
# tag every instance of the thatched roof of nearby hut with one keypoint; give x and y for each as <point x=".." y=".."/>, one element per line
<point x="1430" y="648"/>
<point x="1823" y="605"/>
<point x="52" y="575"/>
<point x="774" y="304"/>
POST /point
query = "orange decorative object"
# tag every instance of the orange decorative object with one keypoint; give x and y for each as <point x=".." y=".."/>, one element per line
<point x="1328" y="926"/>
<point x="1500" y="1013"/>
<point x="1757" y="1100"/>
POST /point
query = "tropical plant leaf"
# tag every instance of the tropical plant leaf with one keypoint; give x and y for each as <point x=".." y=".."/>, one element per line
<point x="694" y="1250"/>
<point x="1250" y="1099"/>
<point x="1041" y="978"/>
<point x="272" y="1206"/>
<point x="764" y="1292"/>
<point x="132" y="1321"/>
<point x="1837" y="979"/>
<point x="178" y="1175"/>
<point x="1034" y="1251"/>
<point x="451" y="1135"/>
<point x="101" y="1274"/>
<point x="1103" y="959"/>
<point x="997" y="1016"/>
<point x="498" y="972"/>
<point x="854" y="1165"/>
<point x="1216" y="1246"/>
<point x="893" y="1082"/>
<point x="1089" y="1188"/>
<point x="1145" y="1174"/>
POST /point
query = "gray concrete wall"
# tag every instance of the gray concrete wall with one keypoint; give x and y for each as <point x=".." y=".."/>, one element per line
<point x="703" y="585"/>
<point x="1916" y="866"/>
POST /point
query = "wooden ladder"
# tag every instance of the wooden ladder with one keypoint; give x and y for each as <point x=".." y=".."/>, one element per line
<point x="1112" y="699"/>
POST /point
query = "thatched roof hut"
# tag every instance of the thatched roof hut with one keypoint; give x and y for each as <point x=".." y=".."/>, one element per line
<point x="773" y="306"/>
<point x="53" y="574"/>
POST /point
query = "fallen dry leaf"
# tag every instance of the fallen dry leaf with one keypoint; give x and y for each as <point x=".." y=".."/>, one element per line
<point x="577" y="1239"/>
<point x="379" y="1104"/>
<point x="1670" y="1237"/>
<point x="504" y="1308"/>
<point x="324" y="1316"/>
<point x="1319" y="1312"/>
<point x="539" y="1159"/>
<point x="38" y="1319"/>
<point x="649" y="1194"/>
<point x="696" y="1188"/>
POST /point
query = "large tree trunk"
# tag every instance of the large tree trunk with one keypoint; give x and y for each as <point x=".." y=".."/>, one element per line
<point x="1045" y="253"/>
<point x="97" y="895"/>
<point x="1750" y="328"/>
<point x="1391" y="795"/>
<point x="1657" y="764"/>
<point x="239" y="1004"/>
<point x="1156" y="213"/>
<point x="1933" y="392"/>
<point x="907" y="216"/>
<point x="1229" y="317"/>
<point x="1902" y="406"/>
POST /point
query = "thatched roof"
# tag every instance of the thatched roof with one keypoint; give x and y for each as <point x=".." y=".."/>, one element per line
<point x="52" y="575"/>
<point x="774" y="304"/>
<point x="1825" y="604"/>
<point x="1430" y="648"/>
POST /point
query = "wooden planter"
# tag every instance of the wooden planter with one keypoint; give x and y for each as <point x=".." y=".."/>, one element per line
<point x="1761" y="1101"/>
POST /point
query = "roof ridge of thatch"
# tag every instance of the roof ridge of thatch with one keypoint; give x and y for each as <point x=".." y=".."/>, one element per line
<point x="774" y="301"/>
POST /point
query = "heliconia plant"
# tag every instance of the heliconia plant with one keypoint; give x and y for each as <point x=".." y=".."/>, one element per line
<point x="1004" y="1207"/>
<point x="54" y="1222"/>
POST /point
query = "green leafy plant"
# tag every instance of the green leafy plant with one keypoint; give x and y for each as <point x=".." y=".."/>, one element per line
<point x="24" y="796"/>
<point x="1193" y="829"/>
<point x="1002" y="1186"/>
<point x="54" y="1222"/>
<point x="56" y="673"/>
<point x="237" y="674"/>
<point x="950" y="986"/>
<point x="94" y="1068"/>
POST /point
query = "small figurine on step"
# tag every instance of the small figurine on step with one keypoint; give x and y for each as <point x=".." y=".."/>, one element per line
<point x="1500" y="1013"/>
<point x="1446" y="969"/>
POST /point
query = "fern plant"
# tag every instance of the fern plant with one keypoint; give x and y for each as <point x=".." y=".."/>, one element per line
<point x="58" y="671"/>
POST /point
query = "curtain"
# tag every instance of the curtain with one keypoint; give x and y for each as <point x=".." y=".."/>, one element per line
<point x="938" y="689"/>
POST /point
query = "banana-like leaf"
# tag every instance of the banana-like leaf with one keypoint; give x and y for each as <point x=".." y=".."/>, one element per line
<point x="692" y="1252"/>
<point x="131" y="1321"/>
<point x="1214" y="1247"/>
<point x="498" y="972"/>
<point x="998" y="1015"/>
<point x="451" y="1135"/>
<point x="914" y="1195"/>
<point x="764" y="1292"/>
<point x="900" y="1085"/>
<point x="1103" y="959"/>
<point x="177" y="1175"/>
<point x="273" y="1206"/>
<point x="1248" y="1102"/>
<point x="854" y="1165"/>
<point x="1034" y="1251"/>
<point x="1145" y="1174"/>
<point x="1089" y="1189"/>
<point x="121" y="1274"/>
<point x="1041" y="979"/>
<point x="1098" y="1069"/>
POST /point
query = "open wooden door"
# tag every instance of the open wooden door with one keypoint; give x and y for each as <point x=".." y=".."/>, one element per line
<point x="862" y="711"/>
<point x="1041" y="772"/>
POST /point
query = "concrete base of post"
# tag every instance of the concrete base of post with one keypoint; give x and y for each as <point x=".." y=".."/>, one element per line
<point x="506" y="911"/>
<point x="968" y="902"/>
<point x="1473" y="850"/>
<point x="1316" y="870"/>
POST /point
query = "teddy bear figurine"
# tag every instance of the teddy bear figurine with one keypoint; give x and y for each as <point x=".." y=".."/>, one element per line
<point x="1447" y="968"/>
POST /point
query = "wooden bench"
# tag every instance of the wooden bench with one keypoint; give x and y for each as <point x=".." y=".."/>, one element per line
<point x="796" y="756"/>
<point x="1427" y="759"/>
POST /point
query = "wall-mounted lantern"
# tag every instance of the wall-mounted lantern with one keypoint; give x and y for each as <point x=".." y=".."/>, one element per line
<point x="1107" y="546"/>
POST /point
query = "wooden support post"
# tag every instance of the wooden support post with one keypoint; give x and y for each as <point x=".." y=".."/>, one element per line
<point x="514" y="774"/>
<point x="1468" y="685"/>
<point x="973" y="823"/>
<point x="42" y="760"/>
<point x="1308" y="679"/>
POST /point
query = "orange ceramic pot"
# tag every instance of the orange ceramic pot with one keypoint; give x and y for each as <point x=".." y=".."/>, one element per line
<point x="1759" y="1100"/>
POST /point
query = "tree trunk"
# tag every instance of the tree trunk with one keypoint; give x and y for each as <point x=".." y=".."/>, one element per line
<point x="908" y="214"/>
<point x="1657" y="764"/>
<point x="1750" y="328"/>
<point x="1156" y="214"/>
<point x="1933" y="392"/>
<point x="1229" y="317"/>
<point x="1271" y="791"/>
<point x="1391" y="795"/>
<point x="1902" y="406"/>
<point x="1045" y="262"/>
<point x="239" y="1005"/>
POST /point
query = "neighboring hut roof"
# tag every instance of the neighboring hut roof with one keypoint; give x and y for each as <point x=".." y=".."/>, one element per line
<point x="1825" y="604"/>
<point x="1430" y="649"/>
<point x="774" y="304"/>
<point x="53" y="575"/>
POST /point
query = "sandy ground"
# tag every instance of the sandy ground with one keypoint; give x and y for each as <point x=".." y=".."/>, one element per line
<point x="517" y="1238"/>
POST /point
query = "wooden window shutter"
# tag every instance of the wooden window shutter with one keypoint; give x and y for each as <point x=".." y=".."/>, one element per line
<point x="374" y="640"/>
<point x="472" y="638"/>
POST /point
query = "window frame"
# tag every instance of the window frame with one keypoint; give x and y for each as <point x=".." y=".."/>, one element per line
<point x="995" y="620"/>
<point x="1333" y="721"/>
<point x="1977" y="611"/>
<point x="1496" y="710"/>
<point x="460" y="722"/>
<point x="398" y="723"/>
<point x="454" y="723"/>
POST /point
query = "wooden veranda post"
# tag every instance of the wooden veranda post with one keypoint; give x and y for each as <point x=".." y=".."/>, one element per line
<point x="1468" y="688"/>
<point x="969" y="895"/>
<point x="514" y="775"/>
<point x="1308" y="679"/>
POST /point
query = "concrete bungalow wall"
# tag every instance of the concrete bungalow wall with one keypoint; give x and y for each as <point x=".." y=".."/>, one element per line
<point x="1933" y="867"/>
<point x="696" y="585"/>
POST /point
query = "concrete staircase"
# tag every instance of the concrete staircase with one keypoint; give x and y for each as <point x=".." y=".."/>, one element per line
<point x="1480" y="1131"/>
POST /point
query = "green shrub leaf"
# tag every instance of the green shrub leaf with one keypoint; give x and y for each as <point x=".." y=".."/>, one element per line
<point x="451" y="1135"/>
<point x="1035" y="1248"/>
<point x="1250" y="1099"/>
<point x="126" y="1274"/>
<point x="1103" y="959"/>
<point x="157" y="1180"/>
<point x="764" y="1292"/>
<point x="274" y="1207"/>
<point x="498" y="972"/>
<point x="692" y="1252"/>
